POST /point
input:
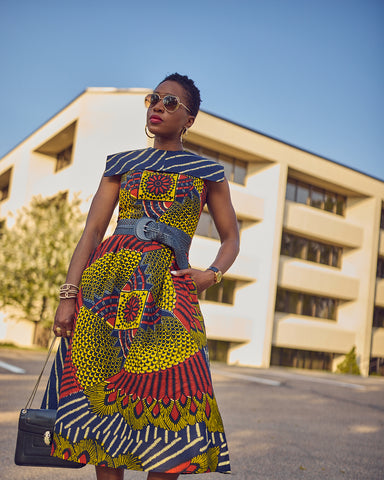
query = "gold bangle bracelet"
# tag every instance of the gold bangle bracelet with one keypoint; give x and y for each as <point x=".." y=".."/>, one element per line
<point x="68" y="290"/>
<point x="67" y="295"/>
<point x="68" y="286"/>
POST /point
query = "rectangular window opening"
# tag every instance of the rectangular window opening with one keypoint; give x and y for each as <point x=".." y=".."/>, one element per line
<point x="307" y="194"/>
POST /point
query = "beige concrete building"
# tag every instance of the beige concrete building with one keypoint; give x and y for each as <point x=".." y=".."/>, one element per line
<point x="308" y="284"/>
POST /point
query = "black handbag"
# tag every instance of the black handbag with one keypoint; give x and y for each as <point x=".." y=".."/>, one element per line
<point x="35" y="434"/>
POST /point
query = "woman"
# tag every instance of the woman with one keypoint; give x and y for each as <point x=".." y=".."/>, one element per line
<point x="135" y="386"/>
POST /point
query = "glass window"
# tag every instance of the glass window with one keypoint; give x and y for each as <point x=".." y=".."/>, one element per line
<point x="218" y="350"/>
<point x="307" y="194"/>
<point x="330" y="202"/>
<point x="325" y="254"/>
<point x="303" y="304"/>
<point x="382" y="219"/>
<point x="313" y="252"/>
<point x="340" y="205"/>
<point x="317" y="197"/>
<point x="332" y="308"/>
<point x="293" y="302"/>
<point x="228" y="288"/>
<point x="286" y="244"/>
<point x="296" y="358"/>
<point x="281" y="300"/>
<point x="64" y="158"/>
<point x="321" y="307"/>
<point x="336" y="257"/>
<point x="213" y="294"/>
<point x="308" y="306"/>
<point x="5" y="181"/>
<point x="378" y="317"/>
<point x="302" y="194"/>
<point x="299" y="247"/>
<point x="380" y="268"/>
<point x="223" y="292"/>
<point x="290" y="193"/>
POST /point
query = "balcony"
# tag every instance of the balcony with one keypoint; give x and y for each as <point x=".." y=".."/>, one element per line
<point x="309" y="277"/>
<point x="314" y="223"/>
<point x="308" y="333"/>
<point x="225" y="322"/>
<point x="248" y="207"/>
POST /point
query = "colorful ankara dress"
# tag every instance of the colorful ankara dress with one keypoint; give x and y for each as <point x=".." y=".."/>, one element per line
<point x="133" y="386"/>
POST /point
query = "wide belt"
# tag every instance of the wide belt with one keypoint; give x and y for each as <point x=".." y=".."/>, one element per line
<point x="148" y="230"/>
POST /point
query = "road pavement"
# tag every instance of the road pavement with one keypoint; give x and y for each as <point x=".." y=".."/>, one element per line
<point x="281" y="424"/>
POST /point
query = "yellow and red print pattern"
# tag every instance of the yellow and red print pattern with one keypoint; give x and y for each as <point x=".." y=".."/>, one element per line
<point x="136" y="390"/>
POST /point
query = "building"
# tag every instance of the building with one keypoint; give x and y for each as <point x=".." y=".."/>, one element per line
<point x="308" y="284"/>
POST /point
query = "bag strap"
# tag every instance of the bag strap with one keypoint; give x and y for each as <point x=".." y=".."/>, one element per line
<point x="31" y="398"/>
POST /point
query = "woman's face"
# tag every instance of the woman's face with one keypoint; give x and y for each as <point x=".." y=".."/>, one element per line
<point x="169" y="124"/>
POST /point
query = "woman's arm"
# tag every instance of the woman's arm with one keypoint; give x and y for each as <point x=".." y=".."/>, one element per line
<point x="99" y="216"/>
<point x="223" y="214"/>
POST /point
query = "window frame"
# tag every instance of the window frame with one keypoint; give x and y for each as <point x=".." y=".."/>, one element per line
<point x="294" y="302"/>
<point x="288" y="248"/>
<point x="302" y="192"/>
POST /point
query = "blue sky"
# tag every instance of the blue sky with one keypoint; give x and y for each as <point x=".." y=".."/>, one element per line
<point x="308" y="72"/>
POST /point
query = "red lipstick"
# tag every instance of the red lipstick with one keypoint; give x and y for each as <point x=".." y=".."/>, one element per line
<point x="155" y="119"/>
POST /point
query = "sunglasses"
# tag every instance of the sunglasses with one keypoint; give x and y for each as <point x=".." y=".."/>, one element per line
<point x="171" y="102"/>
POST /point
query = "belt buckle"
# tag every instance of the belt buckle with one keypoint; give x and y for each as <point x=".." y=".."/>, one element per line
<point x="140" y="228"/>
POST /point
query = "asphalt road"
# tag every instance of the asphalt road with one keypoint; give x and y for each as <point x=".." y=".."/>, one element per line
<point x="281" y="424"/>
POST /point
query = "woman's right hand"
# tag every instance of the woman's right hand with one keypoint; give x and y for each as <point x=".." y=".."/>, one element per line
<point x="65" y="314"/>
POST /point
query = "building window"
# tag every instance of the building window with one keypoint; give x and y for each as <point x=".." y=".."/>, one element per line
<point x="301" y="192"/>
<point x="64" y="158"/>
<point x="313" y="251"/>
<point x="378" y="317"/>
<point x="290" y="357"/>
<point x="60" y="147"/>
<point x="382" y="219"/>
<point x="304" y="304"/>
<point x="223" y="292"/>
<point x="376" y="366"/>
<point x="380" y="268"/>
<point x="235" y="169"/>
<point x="218" y="350"/>
<point x="5" y="182"/>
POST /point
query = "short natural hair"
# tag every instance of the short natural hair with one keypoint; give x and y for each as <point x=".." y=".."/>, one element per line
<point x="193" y="93"/>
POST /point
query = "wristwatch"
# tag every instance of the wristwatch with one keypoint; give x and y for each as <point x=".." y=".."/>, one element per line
<point x="217" y="272"/>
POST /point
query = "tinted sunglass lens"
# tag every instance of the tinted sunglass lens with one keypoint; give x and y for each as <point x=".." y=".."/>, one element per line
<point x="155" y="98"/>
<point x="151" y="100"/>
<point x="170" y="102"/>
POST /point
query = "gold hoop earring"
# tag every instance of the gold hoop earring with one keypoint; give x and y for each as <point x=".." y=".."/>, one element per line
<point x="147" y="134"/>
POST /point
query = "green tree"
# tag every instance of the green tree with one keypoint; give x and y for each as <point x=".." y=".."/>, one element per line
<point x="34" y="257"/>
<point x="349" y="364"/>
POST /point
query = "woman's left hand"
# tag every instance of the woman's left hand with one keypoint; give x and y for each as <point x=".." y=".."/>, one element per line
<point x="202" y="278"/>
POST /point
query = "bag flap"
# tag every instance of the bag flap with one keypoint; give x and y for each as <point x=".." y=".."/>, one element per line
<point x="37" y="420"/>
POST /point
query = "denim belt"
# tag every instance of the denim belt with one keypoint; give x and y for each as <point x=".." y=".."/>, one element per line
<point x="148" y="230"/>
